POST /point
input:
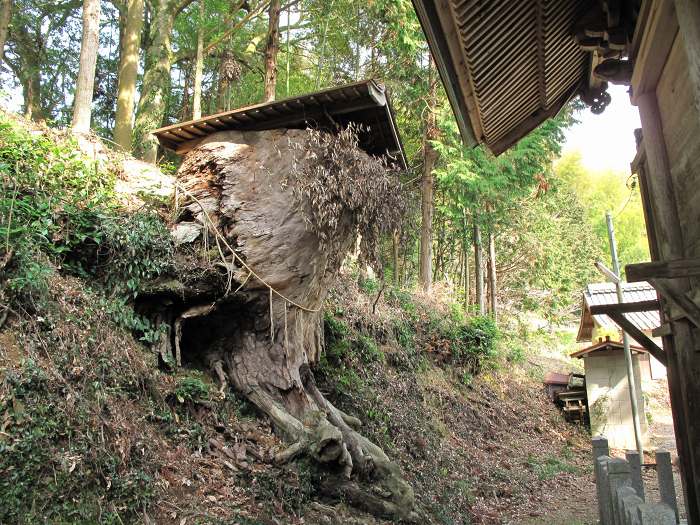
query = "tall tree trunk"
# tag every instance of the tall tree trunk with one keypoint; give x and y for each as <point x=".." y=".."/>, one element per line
<point x="321" y="57"/>
<point x="492" y="275"/>
<point x="426" y="230"/>
<point x="479" y="270"/>
<point x="128" y="71"/>
<point x="465" y="253"/>
<point x="395" y="253"/>
<point x="85" y="85"/>
<point x="222" y="88"/>
<point x="429" y="159"/>
<point x="271" y="50"/>
<point x="5" y="16"/>
<point x="198" y="66"/>
<point x="186" y="106"/>
<point x="31" y="90"/>
<point x="289" y="11"/>
<point x="156" y="83"/>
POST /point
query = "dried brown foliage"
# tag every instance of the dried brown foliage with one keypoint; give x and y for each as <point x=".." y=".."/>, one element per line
<point x="344" y="190"/>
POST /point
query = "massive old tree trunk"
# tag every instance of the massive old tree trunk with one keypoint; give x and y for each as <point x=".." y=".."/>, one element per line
<point x="85" y="84"/>
<point x="260" y="330"/>
<point x="128" y="71"/>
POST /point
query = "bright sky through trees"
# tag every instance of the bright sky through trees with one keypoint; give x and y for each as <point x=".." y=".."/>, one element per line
<point x="606" y="141"/>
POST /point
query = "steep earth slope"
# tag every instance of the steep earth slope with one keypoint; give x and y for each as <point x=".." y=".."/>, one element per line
<point x="96" y="427"/>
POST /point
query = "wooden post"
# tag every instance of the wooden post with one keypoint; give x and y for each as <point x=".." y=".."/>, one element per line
<point x="682" y="360"/>
<point x="631" y="382"/>
<point x="688" y="14"/>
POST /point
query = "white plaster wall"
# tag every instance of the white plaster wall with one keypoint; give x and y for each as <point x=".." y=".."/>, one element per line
<point x="609" y="399"/>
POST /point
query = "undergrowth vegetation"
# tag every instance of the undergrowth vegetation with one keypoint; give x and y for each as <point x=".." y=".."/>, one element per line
<point x="58" y="210"/>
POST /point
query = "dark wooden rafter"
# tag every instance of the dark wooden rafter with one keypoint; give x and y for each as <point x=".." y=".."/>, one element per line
<point x="640" y="306"/>
<point x="662" y="274"/>
<point x="616" y="312"/>
<point x="676" y="269"/>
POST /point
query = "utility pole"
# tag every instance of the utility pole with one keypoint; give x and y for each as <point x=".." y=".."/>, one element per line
<point x="625" y="340"/>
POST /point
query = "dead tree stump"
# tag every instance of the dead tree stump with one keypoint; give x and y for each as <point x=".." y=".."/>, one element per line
<point x="261" y="328"/>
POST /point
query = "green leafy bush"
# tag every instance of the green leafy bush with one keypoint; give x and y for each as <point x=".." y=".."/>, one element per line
<point x="191" y="389"/>
<point x="58" y="210"/>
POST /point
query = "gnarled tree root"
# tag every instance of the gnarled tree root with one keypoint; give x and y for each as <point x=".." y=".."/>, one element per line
<point x="359" y="471"/>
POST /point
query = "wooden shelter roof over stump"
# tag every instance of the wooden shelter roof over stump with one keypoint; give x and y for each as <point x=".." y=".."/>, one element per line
<point x="365" y="104"/>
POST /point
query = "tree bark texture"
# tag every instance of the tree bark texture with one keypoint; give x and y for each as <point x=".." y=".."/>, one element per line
<point x="426" y="230"/>
<point x="198" y="66"/>
<point x="5" y="16"/>
<point x="465" y="261"/>
<point x="271" y="50"/>
<point x="85" y="84"/>
<point x="479" y="270"/>
<point x="128" y="71"/>
<point x="263" y="337"/>
<point x="430" y="156"/>
<point x="156" y="82"/>
<point x="493" y="291"/>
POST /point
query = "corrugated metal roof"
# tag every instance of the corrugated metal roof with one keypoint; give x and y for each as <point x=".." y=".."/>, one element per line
<point x="365" y="103"/>
<point x="508" y="65"/>
<point x="606" y="293"/>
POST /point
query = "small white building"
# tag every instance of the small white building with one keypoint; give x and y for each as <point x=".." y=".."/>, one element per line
<point x="607" y="390"/>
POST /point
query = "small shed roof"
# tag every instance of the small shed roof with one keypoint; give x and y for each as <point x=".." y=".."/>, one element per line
<point x="556" y="378"/>
<point x="507" y="66"/>
<point x="606" y="293"/>
<point x="365" y="103"/>
<point x="606" y="345"/>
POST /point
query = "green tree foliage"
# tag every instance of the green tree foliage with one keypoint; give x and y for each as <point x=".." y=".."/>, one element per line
<point x="611" y="191"/>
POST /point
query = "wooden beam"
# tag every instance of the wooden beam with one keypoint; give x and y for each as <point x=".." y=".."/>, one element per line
<point x="638" y="336"/>
<point x="624" y="308"/>
<point x="683" y="365"/>
<point x="678" y="299"/>
<point x="689" y="27"/>
<point x="662" y="331"/>
<point x="675" y="269"/>
<point x="656" y="43"/>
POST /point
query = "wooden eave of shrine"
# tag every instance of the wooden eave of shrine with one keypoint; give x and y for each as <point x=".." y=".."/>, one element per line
<point x="365" y="104"/>
<point x="606" y="347"/>
<point x="506" y="66"/>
